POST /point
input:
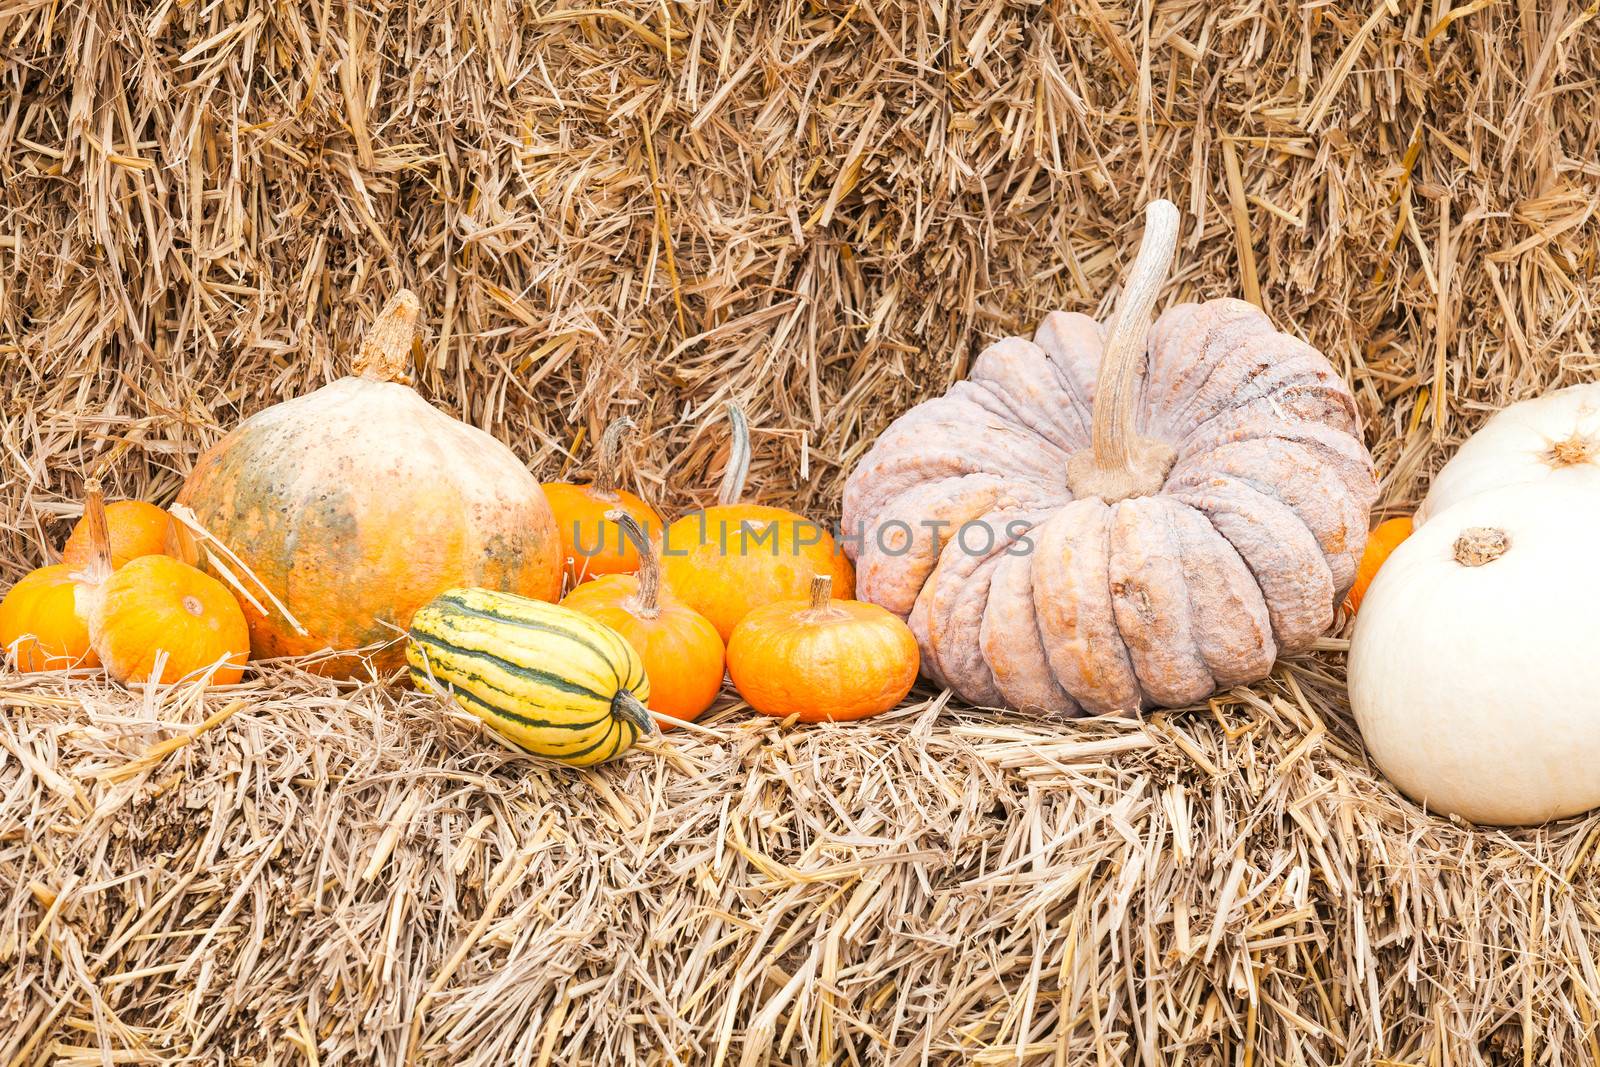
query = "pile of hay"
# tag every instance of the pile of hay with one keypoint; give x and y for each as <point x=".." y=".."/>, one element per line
<point x="824" y="209"/>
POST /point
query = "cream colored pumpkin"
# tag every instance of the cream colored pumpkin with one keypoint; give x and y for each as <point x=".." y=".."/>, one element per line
<point x="1473" y="669"/>
<point x="1551" y="440"/>
<point x="1133" y="516"/>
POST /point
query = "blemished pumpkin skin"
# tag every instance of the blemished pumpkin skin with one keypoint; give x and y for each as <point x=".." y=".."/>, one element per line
<point x="156" y="610"/>
<point x="592" y="546"/>
<point x="733" y="557"/>
<point x="1383" y="540"/>
<point x="137" y="529"/>
<point x="1134" y="517"/>
<point x="822" y="660"/>
<point x="682" y="652"/>
<point x="358" y="503"/>
<point x="43" y="619"/>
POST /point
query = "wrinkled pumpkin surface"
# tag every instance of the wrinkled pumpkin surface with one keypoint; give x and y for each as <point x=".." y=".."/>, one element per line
<point x="1235" y="534"/>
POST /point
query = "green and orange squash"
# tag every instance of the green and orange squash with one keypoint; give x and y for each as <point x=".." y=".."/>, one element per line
<point x="355" y="505"/>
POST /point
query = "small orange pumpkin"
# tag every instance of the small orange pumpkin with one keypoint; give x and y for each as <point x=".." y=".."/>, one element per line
<point x="41" y="619"/>
<point x="733" y="557"/>
<point x="590" y="545"/>
<point x="157" y="618"/>
<point x="1380" y="542"/>
<point x="137" y="529"/>
<point x="821" y="659"/>
<point x="682" y="652"/>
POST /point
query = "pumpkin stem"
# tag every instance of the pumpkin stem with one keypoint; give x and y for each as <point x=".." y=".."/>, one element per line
<point x="385" y="354"/>
<point x="1570" y="452"/>
<point x="1120" y="463"/>
<point x="1478" y="545"/>
<point x="738" y="468"/>
<point x="821" y="591"/>
<point x="632" y="709"/>
<point x="98" y="569"/>
<point x="647" y="601"/>
<point x="605" y="475"/>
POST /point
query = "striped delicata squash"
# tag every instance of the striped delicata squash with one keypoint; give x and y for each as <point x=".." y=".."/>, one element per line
<point x="550" y="680"/>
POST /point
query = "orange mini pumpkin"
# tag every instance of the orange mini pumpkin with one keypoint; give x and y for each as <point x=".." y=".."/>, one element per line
<point x="157" y="619"/>
<point x="159" y="610"/>
<point x="137" y="529"/>
<point x="591" y="546"/>
<point x="41" y="618"/>
<point x="733" y="557"/>
<point x="682" y="652"/>
<point x="1384" y="539"/>
<point x="822" y="659"/>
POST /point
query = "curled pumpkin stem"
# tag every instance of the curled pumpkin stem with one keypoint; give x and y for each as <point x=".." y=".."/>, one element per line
<point x="605" y="475"/>
<point x="647" y="601"/>
<point x="385" y="354"/>
<point x="1120" y="463"/>
<point x="633" y="709"/>
<point x="738" y="469"/>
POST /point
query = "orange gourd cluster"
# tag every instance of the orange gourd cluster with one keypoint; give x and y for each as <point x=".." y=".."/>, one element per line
<point x="758" y="578"/>
<point x="120" y="599"/>
<point x="314" y="568"/>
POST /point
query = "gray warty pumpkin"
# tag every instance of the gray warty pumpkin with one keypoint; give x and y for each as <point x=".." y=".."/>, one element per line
<point x="1107" y="519"/>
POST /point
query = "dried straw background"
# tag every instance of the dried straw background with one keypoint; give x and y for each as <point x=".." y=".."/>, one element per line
<point x="824" y="209"/>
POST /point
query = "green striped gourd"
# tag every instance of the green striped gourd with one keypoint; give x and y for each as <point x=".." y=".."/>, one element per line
<point x="550" y="680"/>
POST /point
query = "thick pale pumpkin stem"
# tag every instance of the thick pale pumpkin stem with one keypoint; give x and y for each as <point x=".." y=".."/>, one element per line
<point x="385" y="354"/>
<point x="738" y="468"/>
<point x="1120" y="463"/>
<point x="646" y="603"/>
<point x="605" y="475"/>
<point x="1478" y="545"/>
<point x="98" y="569"/>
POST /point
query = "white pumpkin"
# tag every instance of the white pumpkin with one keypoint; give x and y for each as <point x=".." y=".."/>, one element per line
<point x="1550" y="440"/>
<point x="1473" y="669"/>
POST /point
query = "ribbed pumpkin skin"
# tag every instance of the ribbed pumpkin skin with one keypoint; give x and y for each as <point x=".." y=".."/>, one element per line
<point x="823" y="662"/>
<point x="45" y="605"/>
<point x="681" y="650"/>
<point x="1144" y="513"/>
<point x="359" y="503"/>
<point x="591" y="546"/>
<point x="550" y="680"/>
<point x="730" y="559"/>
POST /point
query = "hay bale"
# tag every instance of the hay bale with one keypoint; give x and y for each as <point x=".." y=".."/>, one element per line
<point x="824" y="210"/>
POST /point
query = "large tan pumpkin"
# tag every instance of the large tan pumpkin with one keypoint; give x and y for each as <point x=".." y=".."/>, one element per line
<point x="360" y="502"/>
<point x="1107" y="519"/>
